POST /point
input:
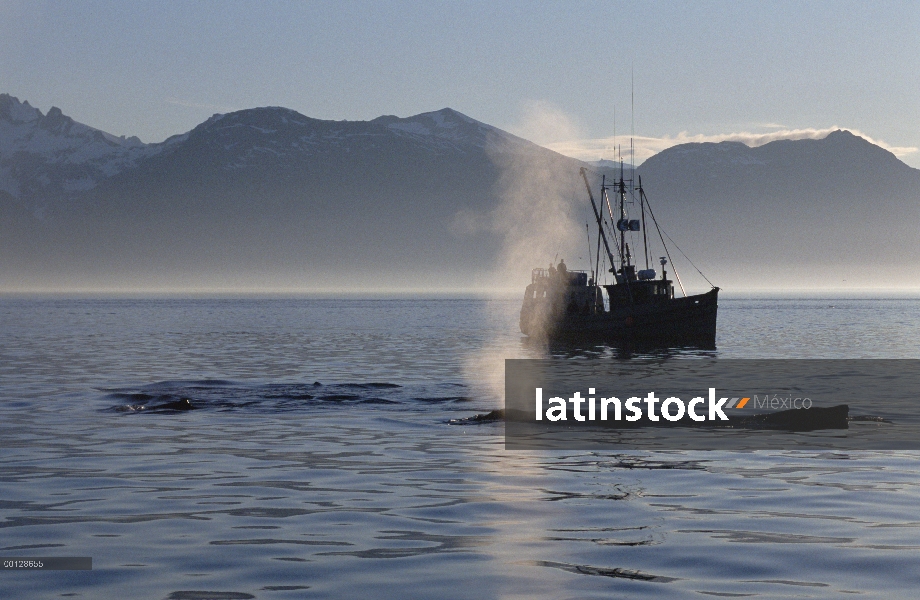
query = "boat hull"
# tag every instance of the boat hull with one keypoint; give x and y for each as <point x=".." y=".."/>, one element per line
<point x="690" y="320"/>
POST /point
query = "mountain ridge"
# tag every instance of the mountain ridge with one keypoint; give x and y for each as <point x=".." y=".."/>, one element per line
<point x="845" y="145"/>
<point x="436" y="199"/>
<point x="251" y="190"/>
<point x="49" y="157"/>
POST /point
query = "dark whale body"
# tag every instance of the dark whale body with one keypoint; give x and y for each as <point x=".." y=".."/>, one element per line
<point x="796" y="419"/>
<point x="181" y="404"/>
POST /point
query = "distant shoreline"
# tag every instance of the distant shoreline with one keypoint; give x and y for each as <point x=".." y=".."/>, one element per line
<point x="447" y="295"/>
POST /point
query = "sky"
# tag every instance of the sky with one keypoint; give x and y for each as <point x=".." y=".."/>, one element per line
<point x="568" y="75"/>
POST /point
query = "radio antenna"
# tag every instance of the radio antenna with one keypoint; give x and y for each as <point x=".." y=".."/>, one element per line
<point x="632" y="133"/>
<point x="614" y="132"/>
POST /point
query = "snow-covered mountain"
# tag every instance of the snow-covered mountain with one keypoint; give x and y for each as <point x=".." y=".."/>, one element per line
<point x="50" y="157"/>
<point x="423" y="200"/>
<point x="47" y="156"/>
<point x="259" y="136"/>
<point x="449" y="130"/>
<point x="257" y="188"/>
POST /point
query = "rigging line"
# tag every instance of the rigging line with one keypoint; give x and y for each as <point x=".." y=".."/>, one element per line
<point x="675" y="244"/>
<point x="609" y="208"/>
<point x="588" y="235"/>
<point x="633" y="236"/>
<point x="613" y="234"/>
<point x="616" y="241"/>
<point x="559" y="244"/>
<point x="665" y="246"/>
<point x="597" y="259"/>
<point x="688" y="259"/>
<point x="604" y="262"/>
<point x="591" y="262"/>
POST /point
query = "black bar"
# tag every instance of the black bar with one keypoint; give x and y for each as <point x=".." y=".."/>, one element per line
<point x="807" y="404"/>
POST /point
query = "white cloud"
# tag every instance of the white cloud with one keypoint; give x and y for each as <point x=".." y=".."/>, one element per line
<point x="594" y="149"/>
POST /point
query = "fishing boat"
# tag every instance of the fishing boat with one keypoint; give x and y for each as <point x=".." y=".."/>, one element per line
<point x="640" y="306"/>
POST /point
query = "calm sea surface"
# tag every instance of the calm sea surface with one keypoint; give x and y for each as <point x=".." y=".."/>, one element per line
<point x="322" y="461"/>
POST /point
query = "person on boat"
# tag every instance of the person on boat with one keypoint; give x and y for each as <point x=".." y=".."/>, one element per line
<point x="552" y="271"/>
<point x="563" y="271"/>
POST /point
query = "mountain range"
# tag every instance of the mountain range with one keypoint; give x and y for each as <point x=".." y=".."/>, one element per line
<point x="268" y="198"/>
<point x="832" y="212"/>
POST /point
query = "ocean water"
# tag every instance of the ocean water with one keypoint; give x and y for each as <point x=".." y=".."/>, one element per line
<point x="327" y="458"/>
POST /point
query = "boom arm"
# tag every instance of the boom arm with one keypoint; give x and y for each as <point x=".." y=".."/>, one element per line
<point x="600" y="221"/>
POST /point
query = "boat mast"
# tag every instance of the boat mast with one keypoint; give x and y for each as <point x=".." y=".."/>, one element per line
<point x="597" y="261"/>
<point x="642" y="206"/>
<point x="621" y="191"/>
<point x="597" y="216"/>
<point x="632" y="156"/>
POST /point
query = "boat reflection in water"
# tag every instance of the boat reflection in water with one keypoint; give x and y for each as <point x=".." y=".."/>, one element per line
<point x="641" y="310"/>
